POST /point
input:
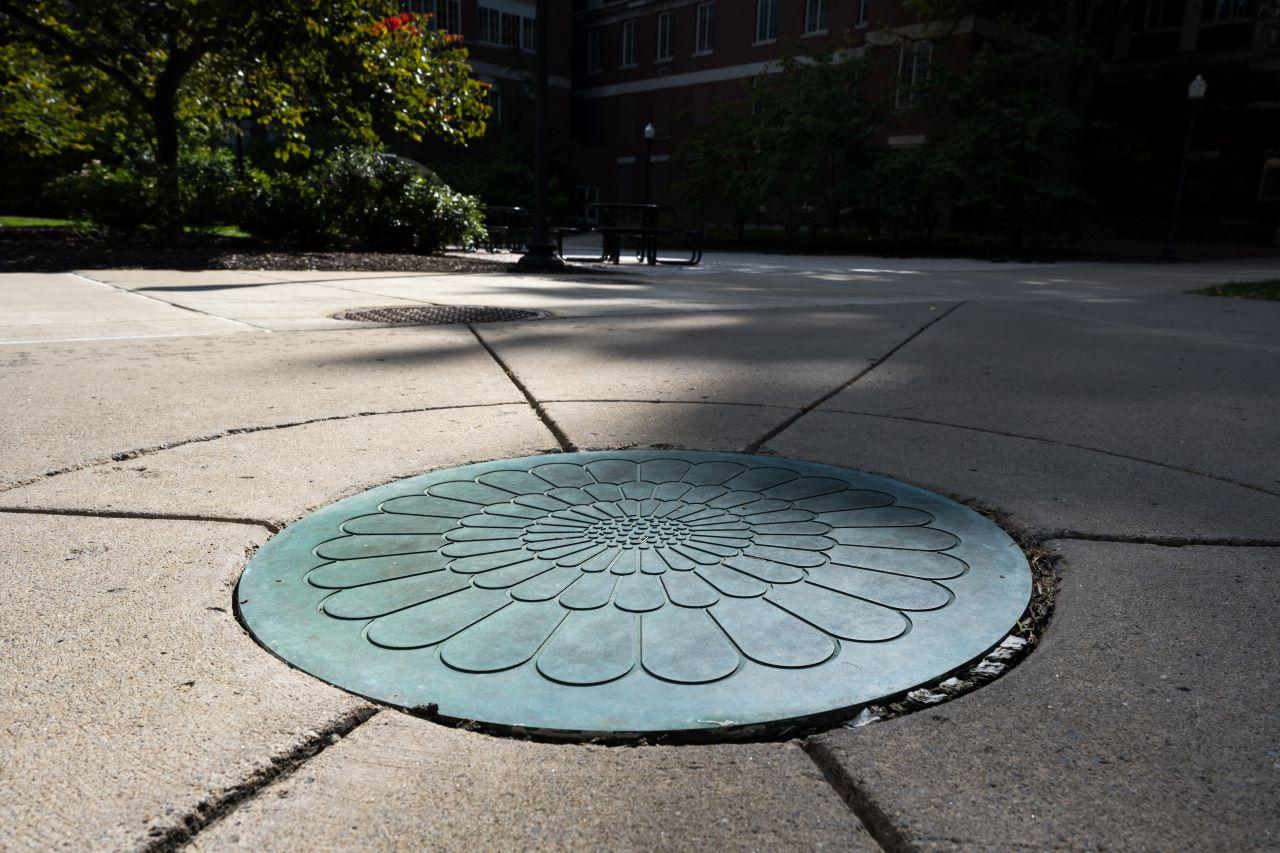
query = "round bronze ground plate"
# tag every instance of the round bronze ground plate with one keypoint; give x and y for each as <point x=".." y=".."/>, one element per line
<point x="627" y="593"/>
<point x="437" y="315"/>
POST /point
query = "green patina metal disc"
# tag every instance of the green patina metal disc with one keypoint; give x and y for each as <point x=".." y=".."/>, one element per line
<point x="624" y="593"/>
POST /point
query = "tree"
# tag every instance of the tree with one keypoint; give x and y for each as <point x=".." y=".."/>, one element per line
<point x="357" y="65"/>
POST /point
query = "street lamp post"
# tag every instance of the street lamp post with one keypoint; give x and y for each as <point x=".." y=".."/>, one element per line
<point x="1195" y="93"/>
<point x="540" y="253"/>
<point x="647" y="175"/>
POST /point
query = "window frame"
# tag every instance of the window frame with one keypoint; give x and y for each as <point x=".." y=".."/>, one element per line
<point x="908" y="95"/>
<point x="630" y="41"/>
<point x="594" y="60"/>
<point x="819" y="10"/>
<point x="766" y="24"/>
<point x="704" y="37"/>
<point x="667" y="28"/>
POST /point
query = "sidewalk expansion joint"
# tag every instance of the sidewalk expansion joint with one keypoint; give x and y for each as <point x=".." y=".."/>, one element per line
<point x="208" y="812"/>
<point x="566" y="445"/>
<point x="754" y="447"/>
<point x="1164" y="541"/>
<point x="877" y="823"/>
<point x="271" y="526"/>
<point x="1058" y="443"/>
<point x="170" y="304"/>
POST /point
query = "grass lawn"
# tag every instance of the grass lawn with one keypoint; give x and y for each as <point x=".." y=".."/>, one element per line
<point x="1268" y="289"/>
<point x="33" y="222"/>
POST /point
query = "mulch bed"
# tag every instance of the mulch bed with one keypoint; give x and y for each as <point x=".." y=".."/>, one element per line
<point x="58" y="250"/>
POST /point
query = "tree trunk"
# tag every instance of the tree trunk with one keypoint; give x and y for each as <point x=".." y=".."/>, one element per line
<point x="164" y="120"/>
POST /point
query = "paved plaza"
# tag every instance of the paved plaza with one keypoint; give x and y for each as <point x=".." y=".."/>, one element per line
<point x="160" y="426"/>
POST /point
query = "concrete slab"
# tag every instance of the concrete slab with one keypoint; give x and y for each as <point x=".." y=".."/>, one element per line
<point x="60" y="307"/>
<point x="130" y="693"/>
<point x="786" y="358"/>
<point x="72" y="404"/>
<point x="1159" y="390"/>
<point x="277" y="475"/>
<point x="686" y="426"/>
<point x="399" y="783"/>
<point x="1145" y="721"/>
<point x="1044" y="487"/>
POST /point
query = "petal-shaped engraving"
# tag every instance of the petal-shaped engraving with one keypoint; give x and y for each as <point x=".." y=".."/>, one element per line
<point x="345" y="573"/>
<point x="732" y="499"/>
<point x="840" y="615"/>
<point x="486" y="520"/>
<point x="545" y="586"/>
<point x="576" y="497"/>
<point x="543" y="502"/>
<point x="722" y="528"/>
<point x="885" y="516"/>
<point x="793" y="528"/>
<point x="487" y="562"/>
<point x="805" y="487"/>
<point x="803" y="543"/>
<point x="705" y="515"/>
<point x="768" y="634"/>
<point x="515" y="482"/>
<point x="614" y="470"/>
<point x="766" y="570"/>
<point x="354" y="547"/>
<point x="685" y="646"/>
<point x="667" y="507"/>
<point x="731" y="582"/>
<point x="787" y="556"/>
<point x="697" y="555"/>
<point x="563" y="474"/>
<point x="702" y="494"/>
<point x="761" y="507"/>
<point x="733" y="544"/>
<point x="603" y="491"/>
<point x="712" y="473"/>
<point x="509" y="576"/>
<point x="663" y="470"/>
<point x="778" y="516"/>
<point x="589" y="591"/>
<point x="570" y="544"/>
<point x="852" y="499"/>
<point x="482" y="534"/>
<point x="688" y="590"/>
<point x="611" y="510"/>
<point x="761" y="479"/>
<point x="649" y="505"/>
<point x="507" y="638"/>
<point x="484" y="546"/>
<point x="469" y="491"/>
<point x="435" y="621"/>
<point x="577" y="558"/>
<point x="918" y="564"/>
<point x="600" y="562"/>
<point x="896" y="591"/>
<point x="626" y="563"/>
<point x="671" y="491"/>
<point x="698" y="544"/>
<point x="424" y="505"/>
<point x="651" y="563"/>
<point x="514" y="510"/>
<point x="591" y="647"/>
<point x="638" y="491"/>
<point x="639" y="592"/>
<point x="915" y="538"/>
<point x="381" y="523"/>
<point x="679" y="562"/>
<point x="365" y="602"/>
<point x="629" y="507"/>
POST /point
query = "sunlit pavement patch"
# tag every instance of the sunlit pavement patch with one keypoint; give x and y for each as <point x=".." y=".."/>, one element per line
<point x="623" y="593"/>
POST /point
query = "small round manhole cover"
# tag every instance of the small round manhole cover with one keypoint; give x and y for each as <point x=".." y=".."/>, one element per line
<point x="625" y="592"/>
<point x="437" y="315"/>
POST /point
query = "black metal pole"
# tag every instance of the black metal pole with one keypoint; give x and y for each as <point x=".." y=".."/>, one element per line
<point x="1170" y="251"/>
<point x="541" y="254"/>
<point x="647" y="188"/>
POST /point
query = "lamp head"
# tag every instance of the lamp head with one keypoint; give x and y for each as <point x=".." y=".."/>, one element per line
<point x="648" y="131"/>
<point x="1195" y="91"/>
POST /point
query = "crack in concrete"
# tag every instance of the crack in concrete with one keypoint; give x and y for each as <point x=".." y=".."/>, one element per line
<point x="878" y="825"/>
<point x="566" y="444"/>
<point x="754" y="446"/>
<point x="1058" y="443"/>
<point x="150" y="516"/>
<point x="1164" y="541"/>
<point x="208" y="812"/>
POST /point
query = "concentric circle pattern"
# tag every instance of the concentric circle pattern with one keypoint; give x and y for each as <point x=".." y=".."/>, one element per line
<point x="635" y="592"/>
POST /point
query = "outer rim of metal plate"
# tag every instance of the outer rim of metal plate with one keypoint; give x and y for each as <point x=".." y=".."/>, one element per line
<point x="281" y="610"/>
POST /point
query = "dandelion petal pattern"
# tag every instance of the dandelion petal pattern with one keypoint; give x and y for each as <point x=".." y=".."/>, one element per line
<point x="586" y="571"/>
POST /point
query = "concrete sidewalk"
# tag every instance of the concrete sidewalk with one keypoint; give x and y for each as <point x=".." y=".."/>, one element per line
<point x="161" y="425"/>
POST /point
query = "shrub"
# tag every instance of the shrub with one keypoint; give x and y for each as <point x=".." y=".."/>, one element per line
<point x="109" y="197"/>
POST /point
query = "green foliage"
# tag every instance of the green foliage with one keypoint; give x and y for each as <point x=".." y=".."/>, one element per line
<point x="353" y="197"/>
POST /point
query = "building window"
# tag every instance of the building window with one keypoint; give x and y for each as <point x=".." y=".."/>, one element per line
<point x="815" y="16"/>
<point x="913" y="72"/>
<point x="766" y="20"/>
<point x="594" y="66"/>
<point x="1221" y="11"/>
<point x="1155" y="15"/>
<point x="528" y="34"/>
<point x="862" y="12"/>
<point x="489" y="30"/>
<point x="704" y="35"/>
<point x="629" y="43"/>
<point x="666" y="23"/>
